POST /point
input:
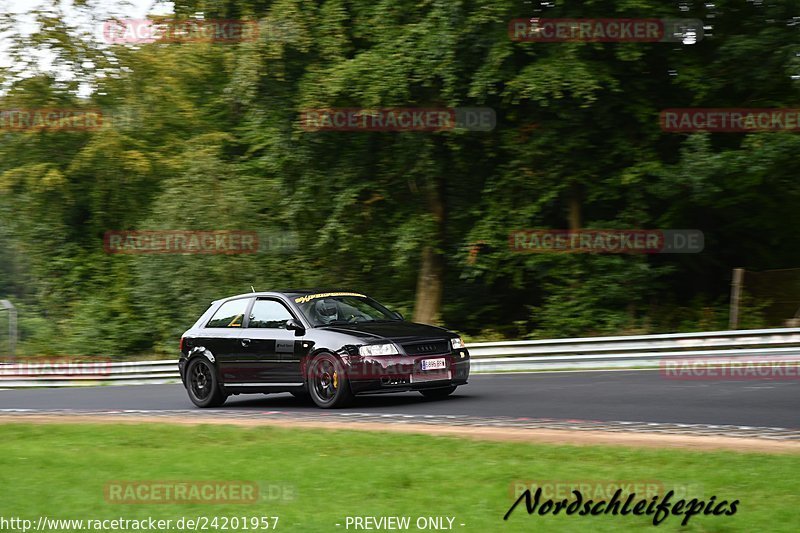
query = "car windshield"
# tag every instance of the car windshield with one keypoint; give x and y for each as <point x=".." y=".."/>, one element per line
<point x="337" y="310"/>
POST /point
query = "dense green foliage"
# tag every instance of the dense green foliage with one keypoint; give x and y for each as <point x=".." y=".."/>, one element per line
<point x="206" y="136"/>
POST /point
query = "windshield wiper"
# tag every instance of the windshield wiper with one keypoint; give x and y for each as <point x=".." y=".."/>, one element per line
<point x="359" y="321"/>
<point x="337" y="323"/>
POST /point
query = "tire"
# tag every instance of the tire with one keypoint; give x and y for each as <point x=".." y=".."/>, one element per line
<point x="438" y="394"/>
<point x="202" y="384"/>
<point x="327" y="382"/>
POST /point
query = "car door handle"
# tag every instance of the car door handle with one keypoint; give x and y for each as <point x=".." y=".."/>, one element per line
<point x="245" y="342"/>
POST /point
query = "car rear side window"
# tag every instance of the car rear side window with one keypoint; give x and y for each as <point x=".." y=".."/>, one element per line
<point x="269" y="314"/>
<point x="230" y="314"/>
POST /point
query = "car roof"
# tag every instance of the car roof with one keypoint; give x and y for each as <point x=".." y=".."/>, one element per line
<point x="284" y="292"/>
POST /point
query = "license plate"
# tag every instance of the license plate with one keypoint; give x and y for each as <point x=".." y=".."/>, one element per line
<point x="432" y="364"/>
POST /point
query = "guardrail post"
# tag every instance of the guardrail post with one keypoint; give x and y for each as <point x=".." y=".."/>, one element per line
<point x="736" y="294"/>
<point x="12" y="327"/>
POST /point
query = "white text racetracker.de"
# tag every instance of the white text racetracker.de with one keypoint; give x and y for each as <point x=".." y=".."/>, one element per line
<point x="423" y="523"/>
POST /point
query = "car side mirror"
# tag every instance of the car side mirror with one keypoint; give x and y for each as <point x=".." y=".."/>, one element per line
<point x="398" y="315"/>
<point x="298" y="328"/>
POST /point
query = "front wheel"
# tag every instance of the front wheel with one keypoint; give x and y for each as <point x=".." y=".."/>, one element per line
<point x="438" y="394"/>
<point x="327" y="383"/>
<point x="202" y="384"/>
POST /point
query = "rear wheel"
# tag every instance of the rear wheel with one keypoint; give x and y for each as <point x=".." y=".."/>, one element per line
<point x="327" y="383"/>
<point x="438" y="394"/>
<point x="202" y="384"/>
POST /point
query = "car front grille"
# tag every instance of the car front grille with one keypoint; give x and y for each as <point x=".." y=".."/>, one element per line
<point x="427" y="348"/>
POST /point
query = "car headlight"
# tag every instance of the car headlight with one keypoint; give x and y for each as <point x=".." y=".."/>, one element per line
<point x="457" y="343"/>
<point x="378" y="349"/>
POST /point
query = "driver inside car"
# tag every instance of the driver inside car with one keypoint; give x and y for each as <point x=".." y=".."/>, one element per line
<point x="327" y="311"/>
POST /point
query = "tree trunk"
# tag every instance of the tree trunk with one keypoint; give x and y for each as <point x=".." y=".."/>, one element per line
<point x="430" y="285"/>
<point x="575" y="221"/>
<point x="430" y="281"/>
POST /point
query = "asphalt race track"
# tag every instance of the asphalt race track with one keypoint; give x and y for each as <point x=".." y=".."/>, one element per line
<point x="635" y="396"/>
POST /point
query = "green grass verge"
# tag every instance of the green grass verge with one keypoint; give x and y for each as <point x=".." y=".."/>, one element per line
<point x="60" y="471"/>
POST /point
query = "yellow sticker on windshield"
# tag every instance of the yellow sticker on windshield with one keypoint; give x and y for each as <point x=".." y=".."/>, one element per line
<point x="304" y="299"/>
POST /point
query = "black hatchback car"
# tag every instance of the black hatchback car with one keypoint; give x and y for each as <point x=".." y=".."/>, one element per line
<point x="326" y="345"/>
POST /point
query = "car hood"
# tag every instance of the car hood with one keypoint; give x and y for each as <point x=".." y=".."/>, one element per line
<point x="397" y="331"/>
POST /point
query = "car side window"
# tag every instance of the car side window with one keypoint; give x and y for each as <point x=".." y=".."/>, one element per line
<point x="230" y="314"/>
<point x="269" y="314"/>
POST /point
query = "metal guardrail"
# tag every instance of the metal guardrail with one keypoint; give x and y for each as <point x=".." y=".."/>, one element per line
<point x="64" y="374"/>
<point x="636" y="351"/>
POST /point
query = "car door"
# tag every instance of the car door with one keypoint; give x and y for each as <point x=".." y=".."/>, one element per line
<point x="273" y="352"/>
<point x="222" y="337"/>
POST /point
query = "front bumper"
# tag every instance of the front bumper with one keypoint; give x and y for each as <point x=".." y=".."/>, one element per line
<point x="397" y="373"/>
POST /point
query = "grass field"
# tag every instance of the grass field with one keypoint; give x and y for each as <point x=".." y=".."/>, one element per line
<point x="62" y="471"/>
